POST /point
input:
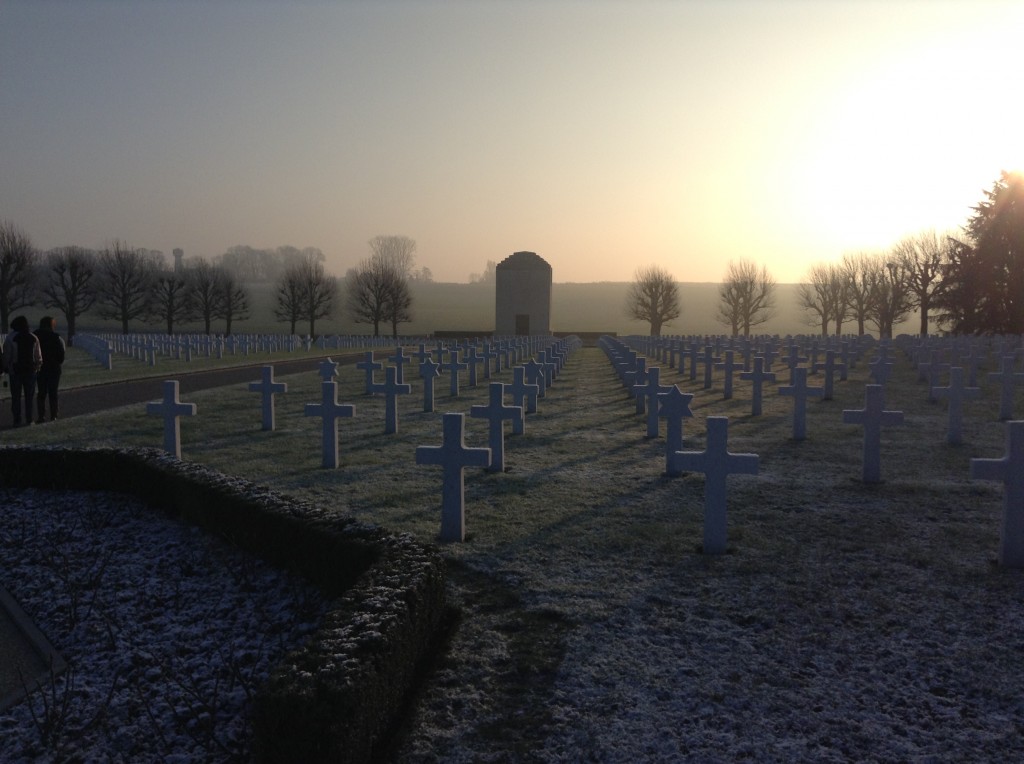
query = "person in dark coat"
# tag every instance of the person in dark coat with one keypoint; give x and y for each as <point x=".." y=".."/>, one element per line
<point x="22" y="359"/>
<point x="48" y="380"/>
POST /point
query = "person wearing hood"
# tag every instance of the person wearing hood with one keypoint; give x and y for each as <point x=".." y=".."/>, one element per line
<point x="48" y="379"/>
<point x="22" y="359"/>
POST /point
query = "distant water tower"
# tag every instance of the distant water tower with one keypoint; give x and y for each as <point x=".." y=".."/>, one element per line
<point x="522" y="302"/>
<point x="179" y="254"/>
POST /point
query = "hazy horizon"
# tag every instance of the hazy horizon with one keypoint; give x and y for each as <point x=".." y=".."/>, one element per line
<point x="601" y="135"/>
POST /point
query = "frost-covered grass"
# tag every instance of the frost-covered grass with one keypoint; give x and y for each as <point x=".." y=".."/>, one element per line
<point x="168" y="632"/>
<point x="846" y="622"/>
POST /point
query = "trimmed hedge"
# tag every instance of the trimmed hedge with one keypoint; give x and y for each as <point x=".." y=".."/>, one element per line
<point x="336" y="697"/>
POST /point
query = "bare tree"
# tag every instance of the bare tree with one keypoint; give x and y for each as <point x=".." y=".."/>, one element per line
<point x="68" y="283"/>
<point x="248" y="264"/>
<point x="858" y="297"/>
<point x="399" y="305"/>
<point x="746" y="297"/>
<point x="373" y="287"/>
<point x="234" y="301"/>
<point x="305" y="291"/>
<point x="423" y="275"/>
<point x="170" y="298"/>
<point x="123" y="284"/>
<point x="653" y="297"/>
<point x="289" y="299"/>
<point x="398" y="251"/>
<point x="922" y="258"/>
<point x="891" y="297"/>
<point x="204" y="281"/>
<point x="824" y="297"/>
<point x="378" y="288"/>
<point x="489" y="276"/>
<point x="17" y="271"/>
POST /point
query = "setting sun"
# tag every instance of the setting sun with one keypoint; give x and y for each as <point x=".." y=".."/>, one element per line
<point x="913" y="140"/>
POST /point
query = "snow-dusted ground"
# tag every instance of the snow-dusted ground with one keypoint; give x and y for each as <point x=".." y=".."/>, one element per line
<point x="848" y="622"/>
<point x="166" y="630"/>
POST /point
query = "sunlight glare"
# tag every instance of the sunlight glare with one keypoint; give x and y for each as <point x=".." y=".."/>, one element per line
<point x="912" y="144"/>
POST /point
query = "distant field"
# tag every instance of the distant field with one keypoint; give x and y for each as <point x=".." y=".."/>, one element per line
<point x="469" y="308"/>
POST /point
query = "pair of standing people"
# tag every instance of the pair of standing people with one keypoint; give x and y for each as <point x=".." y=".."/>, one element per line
<point x="33" y="360"/>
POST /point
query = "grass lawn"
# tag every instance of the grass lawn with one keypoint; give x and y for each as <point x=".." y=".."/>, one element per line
<point x="847" y="621"/>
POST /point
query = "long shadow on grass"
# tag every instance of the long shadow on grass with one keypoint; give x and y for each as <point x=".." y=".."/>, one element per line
<point x="520" y="692"/>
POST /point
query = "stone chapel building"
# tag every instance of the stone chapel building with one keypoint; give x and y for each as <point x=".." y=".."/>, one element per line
<point x="522" y="295"/>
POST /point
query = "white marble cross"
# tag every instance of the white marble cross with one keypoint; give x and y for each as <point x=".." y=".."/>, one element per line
<point x="957" y="393"/>
<point x="268" y="388"/>
<point x="535" y="376"/>
<point x="523" y="394"/>
<point x="453" y="456"/>
<point x="650" y="390"/>
<point x="496" y="412"/>
<point x="793" y="361"/>
<point x="368" y="365"/>
<point x="758" y="377"/>
<point x="329" y="410"/>
<point x="873" y="417"/>
<point x="454" y="367"/>
<point x="635" y="375"/>
<point x="1008" y="379"/>
<point x="728" y="366"/>
<point x="473" y="358"/>
<point x="399" y="359"/>
<point x="830" y="366"/>
<point x="550" y="367"/>
<point x="171" y="409"/>
<point x="709" y="361"/>
<point x="391" y="388"/>
<point x="800" y="392"/>
<point x="488" y="355"/>
<point x="1010" y="471"/>
<point x="881" y="367"/>
<point x="429" y="371"/>
<point x="717" y="464"/>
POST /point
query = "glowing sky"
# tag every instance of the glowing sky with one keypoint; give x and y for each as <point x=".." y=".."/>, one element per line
<point x="602" y="135"/>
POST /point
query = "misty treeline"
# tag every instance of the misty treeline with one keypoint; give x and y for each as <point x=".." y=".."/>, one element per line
<point x="969" y="281"/>
<point x="134" y="285"/>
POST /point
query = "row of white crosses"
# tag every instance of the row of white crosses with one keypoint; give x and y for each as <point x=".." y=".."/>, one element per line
<point x="873" y="416"/>
<point x="148" y="347"/>
<point x="929" y="353"/>
<point x="393" y="386"/>
<point x="453" y="456"/>
<point x="716" y="462"/>
<point x="1009" y="469"/>
<point x="732" y="354"/>
<point x="449" y="455"/>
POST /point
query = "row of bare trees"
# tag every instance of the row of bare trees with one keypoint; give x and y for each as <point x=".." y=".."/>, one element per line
<point x="118" y="283"/>
<point x="127" y="284"/>
<point x="877" y="289"/>
<point x="377" y="289"/>
<point x="880" y="290"/>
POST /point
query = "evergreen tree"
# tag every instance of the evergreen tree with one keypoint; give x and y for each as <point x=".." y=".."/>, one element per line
<point x="983" y="280"/>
